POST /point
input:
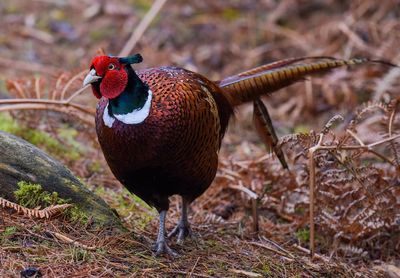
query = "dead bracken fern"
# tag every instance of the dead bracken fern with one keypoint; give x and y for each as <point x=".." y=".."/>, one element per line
<point x="356" y="183"/>
<point x="35" y="213"/>
<point x="30" y="94"/>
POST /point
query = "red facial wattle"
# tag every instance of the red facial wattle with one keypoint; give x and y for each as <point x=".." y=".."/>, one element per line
<point x="113" y="83"/>
<point x="112" y="77"/>
<point x="95" y="90"/>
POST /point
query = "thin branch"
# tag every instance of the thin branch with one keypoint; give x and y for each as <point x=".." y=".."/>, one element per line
<point x="193" y="274"/>
<point x="302" y="249"/>
<point x="68" y="240"/>
<point x="355" y="137"/>
<point x="37" y="87"/>
<point x="143" y="25"/>
<point x="85" y="109"/>
<point x="47" y="107"/>
<point x="287" y="255"/>
<point x="194" y="266"/>
<point x="72" y="80"/>
<point x="311" y="167"/>
<point x="76" y="93"/>
<point x="244" y="189"/>
<point x="17" y="87"/>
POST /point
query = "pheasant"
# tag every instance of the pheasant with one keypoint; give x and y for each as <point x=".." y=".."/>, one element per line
<point x="160" y="129"/>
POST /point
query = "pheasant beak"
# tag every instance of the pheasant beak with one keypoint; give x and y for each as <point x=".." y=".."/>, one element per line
<point x="91" y="77"/>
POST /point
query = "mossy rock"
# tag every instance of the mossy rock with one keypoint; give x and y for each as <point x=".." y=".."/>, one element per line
<point x="22" y="161"/>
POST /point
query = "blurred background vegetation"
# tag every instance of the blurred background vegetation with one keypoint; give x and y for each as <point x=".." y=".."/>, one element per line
<point x="55" y="39"/>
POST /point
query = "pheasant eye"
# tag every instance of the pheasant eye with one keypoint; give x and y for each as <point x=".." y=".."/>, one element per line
<point x="111" y="66"/>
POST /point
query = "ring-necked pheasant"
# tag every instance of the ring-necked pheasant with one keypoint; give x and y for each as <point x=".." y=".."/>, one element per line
<point x="160" y="129"/>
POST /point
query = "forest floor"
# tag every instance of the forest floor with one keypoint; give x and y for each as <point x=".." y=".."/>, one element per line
<point x="48" y="40"/>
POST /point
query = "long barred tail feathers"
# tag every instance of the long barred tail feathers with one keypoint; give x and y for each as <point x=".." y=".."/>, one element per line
<point x="251" y="84"/>
<point x="266" y="131"/>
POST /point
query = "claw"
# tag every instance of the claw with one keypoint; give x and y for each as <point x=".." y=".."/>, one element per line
<point x="161" y="248"/>
<point x="182" y="229"/>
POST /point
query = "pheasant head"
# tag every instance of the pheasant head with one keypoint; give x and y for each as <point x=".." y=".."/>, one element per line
<point x="109" y="75"/>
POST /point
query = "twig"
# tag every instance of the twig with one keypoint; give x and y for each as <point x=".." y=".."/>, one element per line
<point x="66" y="239"/>
<point x="144" y="23"/>
<point x="37" y="87"/>
<point x="254" y="205"/>
<point x="311" y="165"/>
<point x="194" y="274"/>
<point x="286" y="255"/>
<point x="20" y="92"/>
<point x="76" y="93"/>
<point x="353" y="37"/>
<point x="245" y="273"/>
<point x="37" y="34"/>
<point x="85" y="109"/>
<point x="194" y="266"/>
<point x="47" y="107"/>
<point x="352" y="134"/>
<point x="72" y="80"/>
<point x="391" y="118"/>
<point x="244" y="189"/>
<point x="302" y="249"/>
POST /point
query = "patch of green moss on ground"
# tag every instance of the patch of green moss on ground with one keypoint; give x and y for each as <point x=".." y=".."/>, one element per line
<point x="9" y="231"/>
<point x="303" y="235"/>
<point x="79" y="255"/>
<point x="32" y="195"/>
<point x="95" y="166"/>
<point x="7" y="235"/>
<point x="70" y="150"/>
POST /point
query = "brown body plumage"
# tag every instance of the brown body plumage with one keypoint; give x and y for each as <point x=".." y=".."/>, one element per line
<point x="174" y="149"/>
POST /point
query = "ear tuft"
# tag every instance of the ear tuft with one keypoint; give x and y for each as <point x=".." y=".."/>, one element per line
<point x="134" y="59"/>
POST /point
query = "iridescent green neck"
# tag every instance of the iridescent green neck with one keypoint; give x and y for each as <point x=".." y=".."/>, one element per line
<point x="132" y="98"/>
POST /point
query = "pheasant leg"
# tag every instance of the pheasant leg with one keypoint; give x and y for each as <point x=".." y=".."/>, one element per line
<point x="182" y="229"/>
<point x="161" y="247"/>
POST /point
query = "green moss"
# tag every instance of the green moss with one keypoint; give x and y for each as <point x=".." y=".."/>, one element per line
<point x="9" y="231"/>
<point x="266" y="269"/>
<point x="11" y="8"/>
<point x="299" y="210"/>
<point x="301" y="129"/>
<point x="127" y="204"/>
<point x="7" y="235"/>
<point x="214" y="245"/>
<point x="69" y="149"/>
<point x="100" y="34"/>
<point x="95" y="166"/>
<point x="303" y="235"/>
<point x="75" y="214"/>
<point x="143" y="5"/>
<point x="79" y="255"/>
<point x="41" y="259"/>
<point x="32" y="195"/>
<point x="70" y="184"/>
<point x="69" y="136"/>
<point x="230" y="14"/>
